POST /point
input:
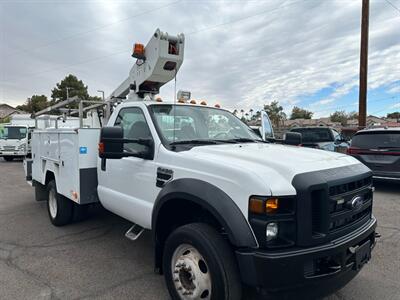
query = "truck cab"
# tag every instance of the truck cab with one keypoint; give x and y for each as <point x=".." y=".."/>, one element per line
<point x="14" y="141"/>
<point x="276" y="205"/>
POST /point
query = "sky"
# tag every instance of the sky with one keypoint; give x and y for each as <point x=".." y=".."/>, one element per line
<point x="240" y="54"/>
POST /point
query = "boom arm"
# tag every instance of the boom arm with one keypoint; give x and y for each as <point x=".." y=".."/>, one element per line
<point x="155" y="66"/>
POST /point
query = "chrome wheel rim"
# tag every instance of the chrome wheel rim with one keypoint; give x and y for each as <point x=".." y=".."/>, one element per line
<point x="190" y="273"/>
<point x="52" y="204"/>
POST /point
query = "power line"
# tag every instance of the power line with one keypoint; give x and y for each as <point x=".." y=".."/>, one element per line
<point x="392" y="5"/>
<point x="193" y="32"/>
<point x="72" y="36"/>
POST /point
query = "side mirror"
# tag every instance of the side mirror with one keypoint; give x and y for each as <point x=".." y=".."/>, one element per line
<point x="111" y="142"/>
<point x="292" y="138"/>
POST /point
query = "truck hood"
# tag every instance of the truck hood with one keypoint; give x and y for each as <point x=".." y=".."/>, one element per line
<point x="274" y="163"/>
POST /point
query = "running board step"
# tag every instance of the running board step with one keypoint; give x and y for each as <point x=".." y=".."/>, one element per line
<point x="134" y="232"/>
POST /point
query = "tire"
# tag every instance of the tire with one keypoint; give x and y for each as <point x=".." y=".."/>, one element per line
<point x="8" y="158"/>
<point x="58" y="206"/>
<point x="198" y="249"/>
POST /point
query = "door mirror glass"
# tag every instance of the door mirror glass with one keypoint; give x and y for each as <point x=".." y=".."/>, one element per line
<point x="267" y="132"/>
<point x="111" y="142"/>
<point x="292" y="138"/>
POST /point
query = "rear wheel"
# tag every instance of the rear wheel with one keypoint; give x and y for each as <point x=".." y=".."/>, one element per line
<point x="199" y="264"/>
<point x="8" y="158"/>
<point x="58" y="206"/>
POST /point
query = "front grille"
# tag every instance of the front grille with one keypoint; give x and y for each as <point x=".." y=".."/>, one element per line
<point x="9" y="148"/>
<point x="340" y="206"/>
<point x="349" y="186"/>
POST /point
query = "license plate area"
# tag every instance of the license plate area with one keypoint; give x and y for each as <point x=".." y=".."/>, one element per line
<point x="362" y="254"/>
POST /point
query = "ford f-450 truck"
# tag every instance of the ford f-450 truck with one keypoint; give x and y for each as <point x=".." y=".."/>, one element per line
<point x="226" y="208"/>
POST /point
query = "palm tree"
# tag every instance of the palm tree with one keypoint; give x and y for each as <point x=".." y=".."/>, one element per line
<point x="251" y="113"/>
<point x="242" y="111"/>
<point x="275" y="113"/>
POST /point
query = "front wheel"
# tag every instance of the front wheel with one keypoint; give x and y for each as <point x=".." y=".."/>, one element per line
<point x="199" y="264"/>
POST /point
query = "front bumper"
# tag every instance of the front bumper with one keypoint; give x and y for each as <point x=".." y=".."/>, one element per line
<point x="316" y="271"/>
<point x="16" y="153"/>
<point x="386" y="175"/>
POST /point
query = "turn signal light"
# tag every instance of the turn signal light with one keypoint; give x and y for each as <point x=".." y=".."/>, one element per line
<point x="271" y="205"/>
<point x="263" y="205"/>
<point x="101" y="148"/>
<point x="256" y="206"/>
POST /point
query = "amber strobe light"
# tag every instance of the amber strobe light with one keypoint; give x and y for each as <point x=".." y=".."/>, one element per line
<point x="101" y="148"/>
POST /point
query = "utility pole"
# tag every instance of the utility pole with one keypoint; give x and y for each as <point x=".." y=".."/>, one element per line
<point x="362" y="97"/>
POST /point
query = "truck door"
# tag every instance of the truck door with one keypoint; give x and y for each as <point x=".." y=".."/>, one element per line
<point x="127" y="186"/>
<point x="267" y="132"/>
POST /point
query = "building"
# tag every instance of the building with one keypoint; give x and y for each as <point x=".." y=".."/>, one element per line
<point x="7" y="111"/>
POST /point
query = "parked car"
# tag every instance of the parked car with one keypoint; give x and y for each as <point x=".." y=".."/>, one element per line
<point x="378" y="149"/>
<point x="324" y="138"/>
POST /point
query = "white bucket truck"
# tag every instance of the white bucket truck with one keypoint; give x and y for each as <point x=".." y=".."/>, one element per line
<point x="226" y="208"/>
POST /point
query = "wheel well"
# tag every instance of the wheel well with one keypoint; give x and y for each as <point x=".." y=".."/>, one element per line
<point x="176" y="213"/>
<point x="49" y="177"/>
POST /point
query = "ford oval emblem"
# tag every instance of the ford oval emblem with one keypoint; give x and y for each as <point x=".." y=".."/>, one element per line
<point x="356" y="202"/>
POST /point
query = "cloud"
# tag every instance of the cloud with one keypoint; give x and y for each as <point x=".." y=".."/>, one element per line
<point x="240" y="54"/>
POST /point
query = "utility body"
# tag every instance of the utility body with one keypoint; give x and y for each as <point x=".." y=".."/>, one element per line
<point x="226" y="207"/>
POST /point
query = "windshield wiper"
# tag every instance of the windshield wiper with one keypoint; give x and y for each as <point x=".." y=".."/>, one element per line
<point x="242" y="140"/>
<point x="194" y="142"/>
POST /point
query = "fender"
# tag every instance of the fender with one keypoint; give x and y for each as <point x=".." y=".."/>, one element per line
<point x="213" y="199"/>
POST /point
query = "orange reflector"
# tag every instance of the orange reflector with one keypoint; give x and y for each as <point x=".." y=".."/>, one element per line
<point x="217" y="105"/>
<point x="138" y="49"/>
<point x="101" y="148"/>
<point x="256" y="206"/>
<point x="158" y="99"/>
<point x="75" y="195"/>
<point x="271" y="205"/>
<point x="203" y="102"/>
<point x="193" y="101"/>
<point x="181" y="101"/>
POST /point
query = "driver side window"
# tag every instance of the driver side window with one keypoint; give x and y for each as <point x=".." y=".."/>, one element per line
<point x="133" y="122"/>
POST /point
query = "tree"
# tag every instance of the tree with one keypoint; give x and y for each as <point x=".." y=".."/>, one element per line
<point x="339" y="116"/>
<point x="300" y="113"/>
<point x="75" y="87"/>
<point x="275" y="113"/>
<point x="394" y="115"/>
<point x="34" y="104"/>
<point x="242" y="112"/>
<point x="352" y="115"/>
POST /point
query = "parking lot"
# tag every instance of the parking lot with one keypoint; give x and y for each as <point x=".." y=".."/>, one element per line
<point x="93" y="260"/>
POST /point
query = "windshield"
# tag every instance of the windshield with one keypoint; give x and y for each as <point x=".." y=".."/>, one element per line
<point x="314" y="135"/>
<point x="197" y="124"/>
<point x="13" y="133"/>
<point x="376" y="140"/>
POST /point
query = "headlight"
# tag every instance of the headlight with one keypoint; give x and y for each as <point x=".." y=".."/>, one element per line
<point x="273" y="220"/>
<point x="272" y="231"/>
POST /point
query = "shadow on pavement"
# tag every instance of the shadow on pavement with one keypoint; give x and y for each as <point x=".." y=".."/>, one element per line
<point x="387" y="186"/>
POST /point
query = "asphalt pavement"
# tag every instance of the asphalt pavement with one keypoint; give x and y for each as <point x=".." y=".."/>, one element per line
<point x="93" y="260"/>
